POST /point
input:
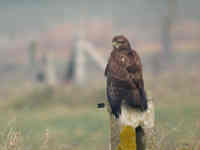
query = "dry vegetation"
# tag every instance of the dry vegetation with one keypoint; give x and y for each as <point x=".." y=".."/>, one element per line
<point x="44" y="118"/>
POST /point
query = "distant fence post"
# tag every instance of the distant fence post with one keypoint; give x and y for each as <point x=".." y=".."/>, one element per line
<point x="134" y="130"/>
<point x="51" y="70"/>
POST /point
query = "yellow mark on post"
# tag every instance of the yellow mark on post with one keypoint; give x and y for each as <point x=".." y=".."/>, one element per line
<point x="127" y="139"/>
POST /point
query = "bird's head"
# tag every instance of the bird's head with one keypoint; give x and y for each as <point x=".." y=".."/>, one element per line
<point x="121" y="42"/>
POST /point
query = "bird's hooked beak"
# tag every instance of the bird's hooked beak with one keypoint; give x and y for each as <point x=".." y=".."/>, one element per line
<point x="115" y="44"/>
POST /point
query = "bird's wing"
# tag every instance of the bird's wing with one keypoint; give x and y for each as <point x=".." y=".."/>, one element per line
<point x="134" y="69"/>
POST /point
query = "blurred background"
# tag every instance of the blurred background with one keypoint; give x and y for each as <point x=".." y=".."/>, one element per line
<point x="52" y="60"/>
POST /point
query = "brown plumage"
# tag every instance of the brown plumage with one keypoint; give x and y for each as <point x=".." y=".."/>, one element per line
<point x="124" y="77"/>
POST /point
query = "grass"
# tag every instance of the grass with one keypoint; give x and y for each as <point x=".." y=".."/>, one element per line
<point x="60" y="119"/>
<point x="45" y="109"/>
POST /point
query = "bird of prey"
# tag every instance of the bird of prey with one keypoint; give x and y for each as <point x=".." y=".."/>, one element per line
<point x="124" y="77"/>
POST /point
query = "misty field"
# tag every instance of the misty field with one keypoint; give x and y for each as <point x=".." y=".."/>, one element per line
<point x="66" y="118"/>
<point x="64" y="43"/>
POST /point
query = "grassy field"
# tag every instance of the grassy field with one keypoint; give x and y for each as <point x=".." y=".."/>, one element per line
<point x="66" y="118"/>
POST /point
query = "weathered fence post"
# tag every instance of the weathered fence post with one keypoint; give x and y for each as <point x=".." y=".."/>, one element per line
<point x="134" y="130"/>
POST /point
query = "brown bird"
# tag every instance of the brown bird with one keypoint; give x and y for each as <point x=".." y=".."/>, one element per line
<point x="124" y="77"/>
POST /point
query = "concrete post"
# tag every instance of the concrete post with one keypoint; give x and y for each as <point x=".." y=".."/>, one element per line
<point x="134" y="130"/>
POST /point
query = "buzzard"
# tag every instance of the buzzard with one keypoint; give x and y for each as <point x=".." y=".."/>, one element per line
<point x="124" y="77"/>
